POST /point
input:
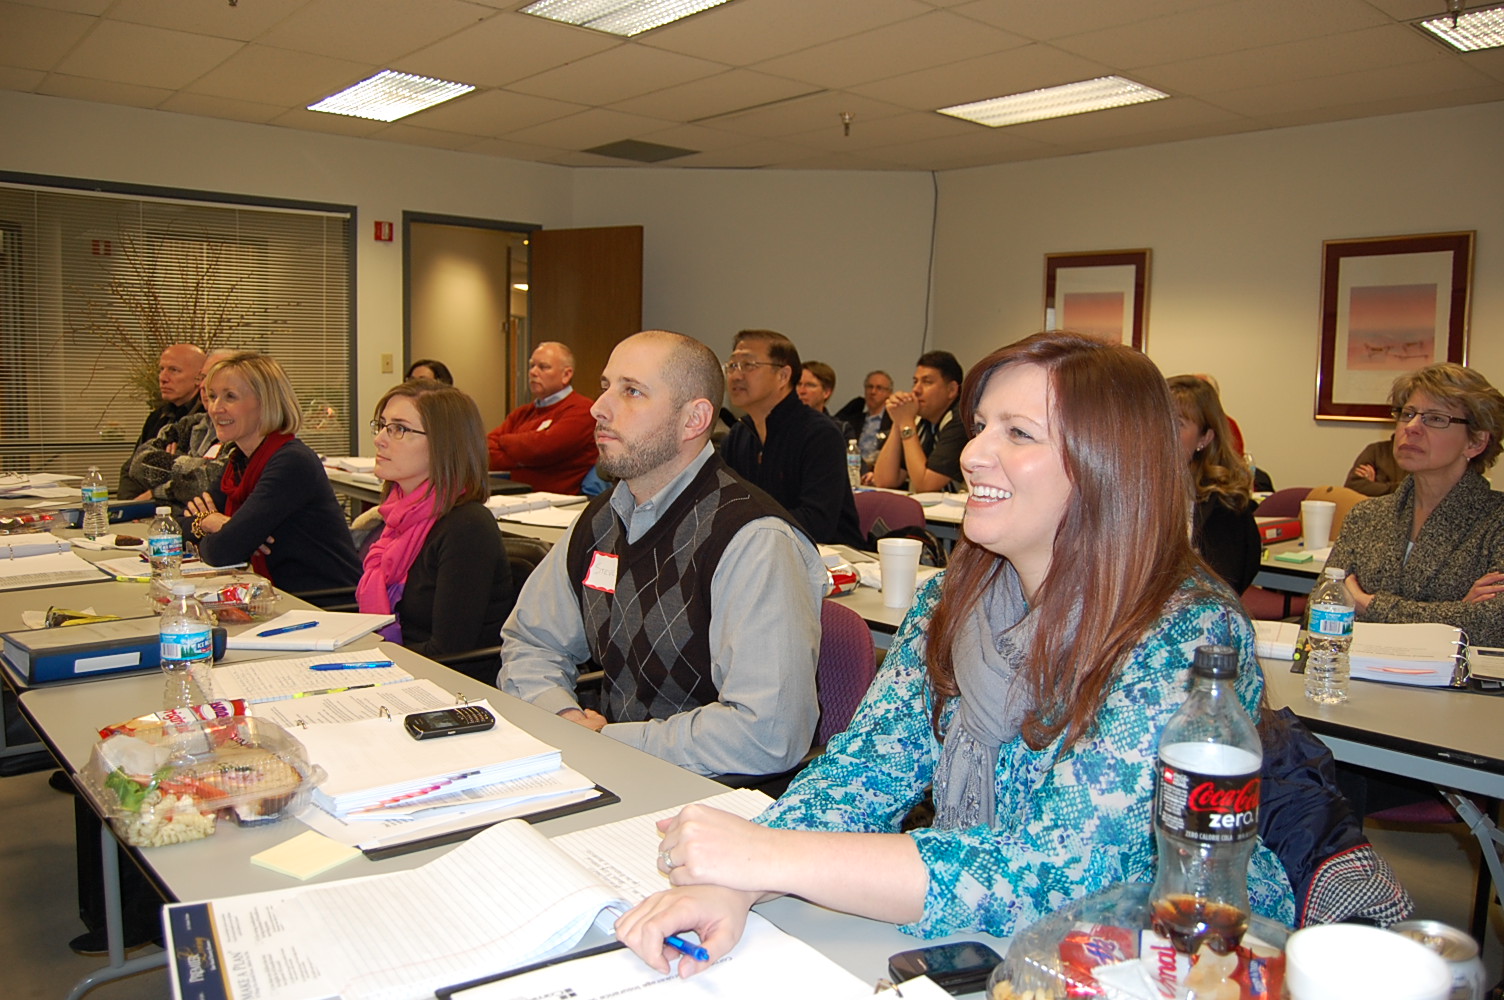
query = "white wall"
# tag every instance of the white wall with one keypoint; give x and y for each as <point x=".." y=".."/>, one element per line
<point x="836" y="260"/>
<point x="1236" y="226"/>
<point x="53" y="136"/>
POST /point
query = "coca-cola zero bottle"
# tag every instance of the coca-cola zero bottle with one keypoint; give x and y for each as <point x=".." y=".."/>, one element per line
<point x="1206" y="811"/>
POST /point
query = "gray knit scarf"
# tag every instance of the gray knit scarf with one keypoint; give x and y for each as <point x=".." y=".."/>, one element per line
<point x="993" y="644"/>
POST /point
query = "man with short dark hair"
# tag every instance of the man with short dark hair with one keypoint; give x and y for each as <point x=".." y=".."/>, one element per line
<point x="868" y="418"/>
<point x="796" y="454"/>
<point x="695" y="592"/>
<point x="547" y="443"/>
<point x="924" y="448"/>
<point x="180" y="370"/>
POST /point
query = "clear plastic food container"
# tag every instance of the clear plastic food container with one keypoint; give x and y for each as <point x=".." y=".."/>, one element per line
<point x="234" y="598"/>
<point x="171" y="784"/>
<point x="1104" y="946"/>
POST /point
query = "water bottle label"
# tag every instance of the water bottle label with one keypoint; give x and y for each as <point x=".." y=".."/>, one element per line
<point x="1207" y="808"/>
<point x="166" y="546"/>
<point x="95" y="494"/>
<point x="1334" y="620"/>
<point x="188" y="644"/>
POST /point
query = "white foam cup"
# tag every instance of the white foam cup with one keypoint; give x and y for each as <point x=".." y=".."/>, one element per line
<point x="1316" y="522"/>
<point x="1357" y="962"/>
<point x="899" y="560"/>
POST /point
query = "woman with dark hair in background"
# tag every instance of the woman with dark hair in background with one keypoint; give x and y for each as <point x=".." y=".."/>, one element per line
<point x="274" y="507"/>
<point x="438" y="563"/>
<point x="1028" y="684"/>
<point x="1224" y="530"/>
<point x="434" y="371"/>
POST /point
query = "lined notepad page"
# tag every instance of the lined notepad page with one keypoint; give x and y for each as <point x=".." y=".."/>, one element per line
<point x="272" y="680"/>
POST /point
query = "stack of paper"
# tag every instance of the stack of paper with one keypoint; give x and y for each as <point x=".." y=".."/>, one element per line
<point x="1419" y="653"/>
<point x="501" y="506"/>
<point x="20" y="546"/>
<point x="258" y="681"/>
<point x="351" y="463"/>
<point x="376" y="764"/>
<point x="309" y="630"/>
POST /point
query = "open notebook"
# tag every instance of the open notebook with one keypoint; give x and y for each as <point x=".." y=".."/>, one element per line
<point x="1425" y="654"/>
<point x="328" y="630"/>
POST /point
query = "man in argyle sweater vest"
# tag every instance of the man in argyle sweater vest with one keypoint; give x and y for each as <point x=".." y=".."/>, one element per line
<point x="692" y="589"/>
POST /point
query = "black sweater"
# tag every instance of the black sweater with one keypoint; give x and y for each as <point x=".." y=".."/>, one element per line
<point x="802" y="465"/>
<point x="1229" y="540"/>
<point x="459" y="589"/>
<point x="293" y="504"/>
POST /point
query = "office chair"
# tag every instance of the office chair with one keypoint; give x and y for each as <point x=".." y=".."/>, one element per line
<point x="887" y="512"/>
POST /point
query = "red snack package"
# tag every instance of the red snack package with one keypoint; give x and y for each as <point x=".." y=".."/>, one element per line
<point x="1087" y="946"/>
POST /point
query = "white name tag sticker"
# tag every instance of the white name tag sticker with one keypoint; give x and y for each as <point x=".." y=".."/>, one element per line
<point x="546" y="424"/>
<point x="602" y="573"/>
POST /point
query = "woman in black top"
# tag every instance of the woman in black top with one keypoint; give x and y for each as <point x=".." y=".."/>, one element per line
<point x="439" y="562"/>
<point x="1225" y="533"/>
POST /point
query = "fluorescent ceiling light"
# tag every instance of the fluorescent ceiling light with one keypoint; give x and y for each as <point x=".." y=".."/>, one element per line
<point x="1055" y="102"/>
<point x="390" y="95"/>
<point x="1477" y="29"/>
<point x="619" y="17"/>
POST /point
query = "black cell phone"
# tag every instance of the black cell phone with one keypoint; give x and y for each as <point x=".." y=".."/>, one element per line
<point x="448" y="722"/>
<point x="957" y="968"/>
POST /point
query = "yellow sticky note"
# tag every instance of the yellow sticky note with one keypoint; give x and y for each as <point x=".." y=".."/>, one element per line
<point x="305" y="855"/>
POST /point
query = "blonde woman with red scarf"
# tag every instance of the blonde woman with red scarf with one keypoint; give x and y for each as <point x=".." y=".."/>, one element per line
<point x="274" y="507"/>
<point x="438" y="562"/>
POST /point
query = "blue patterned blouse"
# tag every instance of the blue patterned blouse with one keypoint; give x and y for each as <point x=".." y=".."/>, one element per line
<point x="1067" y="824"/>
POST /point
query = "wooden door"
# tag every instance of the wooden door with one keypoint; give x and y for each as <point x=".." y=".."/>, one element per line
<point x="586" y="292"/>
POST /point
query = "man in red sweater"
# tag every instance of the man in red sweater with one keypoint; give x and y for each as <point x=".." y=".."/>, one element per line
<point x="548" y="443"/>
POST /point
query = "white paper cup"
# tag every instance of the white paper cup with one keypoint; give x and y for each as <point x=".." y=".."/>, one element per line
<point x="1316" y="522"/>
<point x="899" y="560"/>
<point x="1355" y="962"/>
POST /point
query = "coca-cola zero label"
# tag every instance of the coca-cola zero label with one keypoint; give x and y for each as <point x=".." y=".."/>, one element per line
<point x="1211" y="809"/>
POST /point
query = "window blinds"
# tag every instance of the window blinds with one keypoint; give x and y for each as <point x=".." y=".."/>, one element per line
<point x="94" y="284"/>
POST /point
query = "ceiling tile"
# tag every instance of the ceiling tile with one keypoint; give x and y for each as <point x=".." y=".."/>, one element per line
<point x="1490" y="64"/>
<point x="913" y="126"/>
<point x="1059" y="18"/>
<point x="413" y="135"/>
<point x="733" y="90"/>
<point x="505" y="48"/>
<point x="372" y="30"/>
<point x="934" y="39"/>
<point x="244" y="21"/>
<point x="1329" y="55"/>
<point x="514" y="150"/>
<point x="616" y="74"/>
<point x="588" y="129"/>
<point x="1388" y="83"/>
<point x="280" y="76"/>
<point x="1126" y="122"/>
<point x="838" y="161"/>
<point x="25" y="80"/>
<point x="35" y="38"/>
<point x="805" y="114"/>
<point x="1227" y="27"/>
<point x="747" y="31"/>
<point x="696" y="137"/>
<point x="493" y="113"/>
<point x="221" y="107"/>
<point x="318" y="121"/>
<point x="77" y="6"/>
<point x="105" y="91"/>
<point x="1389" y="106"/>
<point x="997" y="75"/>
<point x="749" y="155"/>
<point x="984" y="146"/>
<point x="146" y="56"/>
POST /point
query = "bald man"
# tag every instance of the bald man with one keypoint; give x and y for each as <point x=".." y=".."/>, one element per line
<point x="548" y="443"/>
<point x="180" y="369"/>
<point x="696" y="593"/>
<point x="183" y="459"/>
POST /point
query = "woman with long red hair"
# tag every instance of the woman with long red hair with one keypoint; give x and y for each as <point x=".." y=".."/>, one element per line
<point x="1027" y="686"/>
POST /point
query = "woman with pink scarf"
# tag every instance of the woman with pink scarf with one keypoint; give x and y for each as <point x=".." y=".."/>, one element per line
<point x="438" y="564"/>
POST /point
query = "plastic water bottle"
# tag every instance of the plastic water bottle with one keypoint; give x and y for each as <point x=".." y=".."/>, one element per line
<point x="1206" y="811"/>
<point x="187" y="649"/>
<point x="96" y="505"/>
<point x="1329" y="635"/>
<point x="165" y="541"/>
<point x="853" y="463"/>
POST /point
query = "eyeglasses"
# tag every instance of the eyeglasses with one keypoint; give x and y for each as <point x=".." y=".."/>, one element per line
<point x="732" y="367"/>
<point x="395" y="430"/>
<point x="1432" y="419"/>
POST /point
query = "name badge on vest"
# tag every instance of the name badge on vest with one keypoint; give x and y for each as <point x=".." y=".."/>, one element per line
<point x="546" y="424"/>
<point x="602" y="573"/>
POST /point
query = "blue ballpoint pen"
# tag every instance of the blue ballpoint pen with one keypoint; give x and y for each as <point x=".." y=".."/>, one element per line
<point x="286" y="628"/>
<point x="351" y="666"/>
<point x="689" y="948"/>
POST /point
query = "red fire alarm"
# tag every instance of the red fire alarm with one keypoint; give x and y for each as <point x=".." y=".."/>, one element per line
<point x="384" y="232"/>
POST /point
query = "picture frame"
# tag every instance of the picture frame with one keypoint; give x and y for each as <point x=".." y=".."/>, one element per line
<point x="1389" y="305"/>
<point x="1100" y="293"/>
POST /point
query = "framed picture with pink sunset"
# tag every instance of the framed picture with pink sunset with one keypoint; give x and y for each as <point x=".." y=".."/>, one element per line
<point x="1099" y="293"/>
<point x="1389" y="305"/>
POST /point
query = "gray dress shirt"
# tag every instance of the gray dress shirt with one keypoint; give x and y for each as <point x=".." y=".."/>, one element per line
<point x="764" y="639"/>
